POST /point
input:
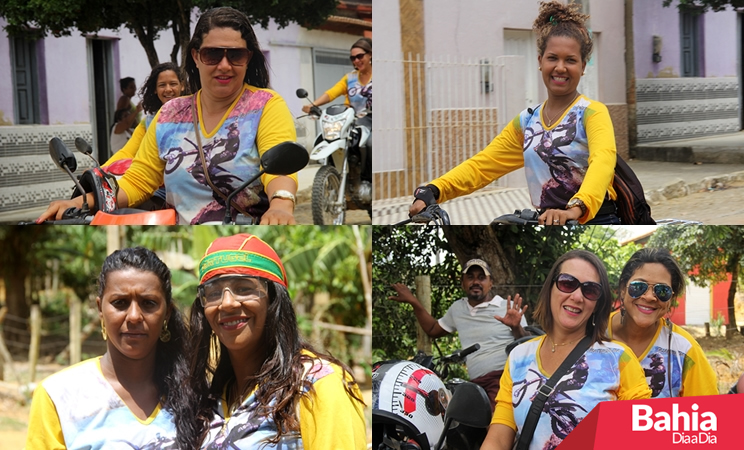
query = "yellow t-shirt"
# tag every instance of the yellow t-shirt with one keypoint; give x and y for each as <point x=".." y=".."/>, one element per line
<point x="329" y="418"/>
<point x="691" y="375"/>
<point x="257" y="120"/>
<point x="606" y="371"/>
<point x="573" y="158"/>
<point x="78" y="408"/>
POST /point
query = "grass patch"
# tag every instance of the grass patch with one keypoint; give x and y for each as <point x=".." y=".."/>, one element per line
<point x="9" y="424"/>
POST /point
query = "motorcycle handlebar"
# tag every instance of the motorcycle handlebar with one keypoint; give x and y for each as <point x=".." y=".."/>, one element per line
<point x="523" y="217"/>
<point x="459" y="355"/>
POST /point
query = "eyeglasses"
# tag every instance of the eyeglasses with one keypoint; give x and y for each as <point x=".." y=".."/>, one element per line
<point x="358" y="56"/>
<point x="569" y="283"/>
<point x="212" y="56"/>
<point x="662" y="291"/>
<point x="242" y="289"/>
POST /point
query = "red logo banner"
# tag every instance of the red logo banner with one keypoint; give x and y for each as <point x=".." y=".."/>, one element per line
<point x="659" y="424"/>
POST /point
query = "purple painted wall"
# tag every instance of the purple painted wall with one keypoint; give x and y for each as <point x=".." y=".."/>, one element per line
<point x="67" y="80"/>
<point x="650" y="18"/>
<point x="720" y="44"/>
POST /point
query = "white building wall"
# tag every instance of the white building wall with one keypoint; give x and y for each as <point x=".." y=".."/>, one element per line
<point x="697" y="304"/>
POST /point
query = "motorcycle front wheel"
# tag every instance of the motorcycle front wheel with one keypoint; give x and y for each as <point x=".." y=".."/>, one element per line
<point x="325" y="193"/>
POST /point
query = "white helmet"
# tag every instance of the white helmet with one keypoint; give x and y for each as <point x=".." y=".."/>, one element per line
<point x="408" y="395"/>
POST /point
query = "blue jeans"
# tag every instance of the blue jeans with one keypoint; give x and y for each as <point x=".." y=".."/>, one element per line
<point x="604" y="219"/>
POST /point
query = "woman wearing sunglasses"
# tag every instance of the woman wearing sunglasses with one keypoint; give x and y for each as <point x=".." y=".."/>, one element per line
<point x="257" y="384"/>
<point x="355" y="85"/>
<point x="205" y="145"/>
<point x="573" y="303"/>
<point x="673" y="361"/>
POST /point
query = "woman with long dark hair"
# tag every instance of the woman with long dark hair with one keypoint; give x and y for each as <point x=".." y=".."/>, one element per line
<point x="204" y="146"/>
<point x="257" y="384"/>
<point x="574" y="302"/>
<point x="132" y="395"/>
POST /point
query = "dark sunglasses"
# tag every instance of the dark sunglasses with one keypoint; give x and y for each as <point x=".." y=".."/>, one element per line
<point x="358" y="56"/>
<point x="212" y="56"/>
<point x="569" y="283"/>
<point x="662" y="291"/>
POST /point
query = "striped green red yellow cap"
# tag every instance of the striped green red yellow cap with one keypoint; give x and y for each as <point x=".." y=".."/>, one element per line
<point x="242" y="254"/>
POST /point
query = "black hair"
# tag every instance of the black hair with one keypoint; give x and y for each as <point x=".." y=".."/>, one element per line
<point x="557" y="19"/>
<point x="124" y="82"/>
<point x="257" y="73"/>
<point x="282" y="381"/>
<point x="653" y="255"/>
<point x="364" y="43"/>
<point x="171" y="367"/>
<point x="544" y="315"/>
<point x="150" y="101"/>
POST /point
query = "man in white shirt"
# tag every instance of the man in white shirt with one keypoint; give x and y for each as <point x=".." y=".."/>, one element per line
<point x="490" y="321"/>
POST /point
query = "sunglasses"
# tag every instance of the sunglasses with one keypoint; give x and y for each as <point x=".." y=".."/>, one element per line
<point x="358" y="56"/>
<point x="568" y="283"/>
<point x="662" y="291"/>
<point x="212" y="56"/>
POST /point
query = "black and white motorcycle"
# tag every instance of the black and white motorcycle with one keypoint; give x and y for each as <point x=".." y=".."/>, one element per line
<point x="341" y="147"/>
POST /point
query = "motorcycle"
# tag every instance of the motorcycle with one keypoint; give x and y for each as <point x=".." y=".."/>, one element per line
<point x="341" y="147"/>
<point x="413" y="409"/>
<point x="282" y="159"/>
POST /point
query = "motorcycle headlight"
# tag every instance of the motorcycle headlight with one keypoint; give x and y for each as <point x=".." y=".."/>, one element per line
<point x="332" y="130"/>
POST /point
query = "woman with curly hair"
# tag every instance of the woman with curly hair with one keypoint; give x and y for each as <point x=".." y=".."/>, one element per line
<point x="566" y="144"/>
<point x="133" y="395"/>
<point x="256" y="383"/>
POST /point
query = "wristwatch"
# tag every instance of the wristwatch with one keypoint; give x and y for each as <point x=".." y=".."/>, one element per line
<point x="577" y="202"/>
<point x="281" y="193"/>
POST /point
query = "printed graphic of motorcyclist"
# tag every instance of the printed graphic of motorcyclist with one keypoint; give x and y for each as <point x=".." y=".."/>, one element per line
<point x="657" y="373"/>
<point x="566" y="174"/>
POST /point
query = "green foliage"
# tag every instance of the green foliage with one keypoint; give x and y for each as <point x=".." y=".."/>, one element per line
<point x="147" y="19"/>
<point x="717" y="323"/>
<point x="402" y="253"/>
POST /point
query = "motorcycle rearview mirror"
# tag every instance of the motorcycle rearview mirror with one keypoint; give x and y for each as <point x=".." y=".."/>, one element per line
<point x="84" y="147"/>
<point x="65" y="160"/>
<point x="282" y="159"/>
<point x="61" y="155"/>
<point x="301" y="93"/>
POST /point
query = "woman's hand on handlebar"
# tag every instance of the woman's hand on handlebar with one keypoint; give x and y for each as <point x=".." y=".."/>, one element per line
<point x="559" y="216"/>
<point x="58" y="207"/>
<point x="306" y="109"/>
<point x="416" y="207"/>
<point x="277" y="216"/>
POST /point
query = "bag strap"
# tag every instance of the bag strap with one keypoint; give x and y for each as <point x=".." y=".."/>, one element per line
<point x="203" y="159"/>
<point x="530" y="423"/>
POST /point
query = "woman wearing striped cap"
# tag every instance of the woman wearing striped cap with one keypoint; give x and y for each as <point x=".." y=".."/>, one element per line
<point x="255" y="381"/>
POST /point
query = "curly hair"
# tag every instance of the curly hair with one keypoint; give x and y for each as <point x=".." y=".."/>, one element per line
<point x="543" y="314"/>
<point x="282" y="382"/>
<point x="171" y="365"/>
<point x="557" y="19"/>
<point x="257" y="73"/>
<point x="150" y="101"/>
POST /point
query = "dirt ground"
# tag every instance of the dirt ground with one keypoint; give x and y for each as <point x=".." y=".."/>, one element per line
<point x="15" y="404"/>
<point x="714" y="207"/>
<point x="304" y="213"/>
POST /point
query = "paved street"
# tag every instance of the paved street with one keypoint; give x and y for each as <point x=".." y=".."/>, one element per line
<point x="712" y="193"/>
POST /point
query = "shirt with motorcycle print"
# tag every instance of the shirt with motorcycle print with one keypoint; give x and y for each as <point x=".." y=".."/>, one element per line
<point x="606" y="371"/>
<point x="256" y="121"/>
<point x="691" y="373"/>
<point x="358" y="95"/>
<point x="573" y="158"/>
<point x="78" y="408"/>
<point x="329" y="418"/>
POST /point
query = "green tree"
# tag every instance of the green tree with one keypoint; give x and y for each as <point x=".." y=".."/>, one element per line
<point x="708" y="254"/>
<point x="147" y="19"/>
<point x="520" y="258"/>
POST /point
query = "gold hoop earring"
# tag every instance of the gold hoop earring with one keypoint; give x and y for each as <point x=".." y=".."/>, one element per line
<point x="165" y="335"/>
<point x="103" y="330"/>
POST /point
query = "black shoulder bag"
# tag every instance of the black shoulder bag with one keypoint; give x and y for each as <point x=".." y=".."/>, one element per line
<point x="545" y="391"/>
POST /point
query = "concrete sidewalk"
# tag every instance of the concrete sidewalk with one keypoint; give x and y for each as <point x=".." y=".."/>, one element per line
<point x="660" y="180"/>
<point x="720" y="149"/>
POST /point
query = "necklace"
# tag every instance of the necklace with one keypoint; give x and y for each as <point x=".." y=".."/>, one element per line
<point x="550" y="121"/>
<point x="560" y="345"/>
